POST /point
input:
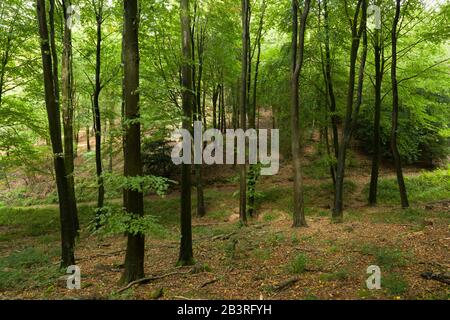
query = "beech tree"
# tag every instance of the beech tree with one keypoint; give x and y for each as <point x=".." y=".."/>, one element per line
<point x="67" y="204"/>
<point x="395" y="107"/>
<point x="134" y="200"/>
<point x="186" y="254"/>
<point x="298" y="47"/>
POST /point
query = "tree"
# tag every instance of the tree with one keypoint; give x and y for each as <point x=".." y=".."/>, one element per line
<point x="395" y="107"/>
<point x="134" y="201"/>
<point x="298" y="45"/>
<point x="243" y="107"/>
<point x="66" y="204"/>
<point x="68" y="107"/>
<point x="98" y="10"/>
<point x="351" y="114"/>
<point x="186" y="254"/>
<point x="376" y="157"/>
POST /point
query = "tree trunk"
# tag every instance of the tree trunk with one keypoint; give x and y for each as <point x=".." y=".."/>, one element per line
<point x="243" y="107"/>
<point x="134" y="204"/>
<point x="394" y="132"/>
<point x="253" y="174"/>
<point x="66" y="208"/>
<point x="97" y="116"/>
<point x="345" y="141"/>
<point x="298" y="44"/>
<point x="201" y="211"/>
<point x="330" y="86"/>
<point x="376" y="157"/>
<point x="67" y="112"/>
<point x="186" y="254"/>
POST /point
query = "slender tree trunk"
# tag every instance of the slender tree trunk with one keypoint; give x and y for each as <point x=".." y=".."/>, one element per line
<point x="201" y="211"/>
<point x="68" y="233"/>
<point x="96" y="107"/>
<point x="186" y="255"/>
<point x="88" y="139"/>
<point x="67" y="112"/>
<point x="110" y="147"/>
<point x="253" y="171"/>
<point x="395" y="107"/>
<point x="134" y="205"/>
<point x="244" y="107"/>
<point x="215" y="98"/>
<point x="345" y="141"/>
<point x="376" y="157"/>
<point x="329" y="82"/>
<point x="298" y="44"/>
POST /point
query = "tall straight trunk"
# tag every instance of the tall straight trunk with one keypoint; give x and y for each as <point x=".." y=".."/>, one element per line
<point x="329" y="82"/>
<point x="253" y="174"/>
<point x="110" y="146"/>
<point x="223" y="124"/>
<point x="350" y="114"/>
<point x="88" y="139"/>
<point x="186" y="255"/>
<point x="96" y="108"/>
<point x="66" y="209"/>
<point x="243" y="107"/>
<point x="201" y="211"/>
<point x="215" y="98"/>
<point x="134" y="205"/>
<point x="68" y="111"/>
<point x="395" y="107"/>
<point x="376" y="157"/>
<point x="298" y="44"/>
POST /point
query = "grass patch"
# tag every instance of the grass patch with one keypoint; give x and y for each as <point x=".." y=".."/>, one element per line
<point x="340" y="275"/>
<point x="426" y="187"/>
<point x="395" y="284"/>
<point x="387" y="258"/>
<point x="298" y="265"/>
<point x="28" y="268"/>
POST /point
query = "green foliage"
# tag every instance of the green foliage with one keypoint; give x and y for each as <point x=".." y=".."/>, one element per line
<point x="156" y="158"/>
<point x="298" y="264"/>
<point x="115" y="221"/>
<point x="385" y="257"/>
<point x="426" y="187"/>
<point x="395" y="284"/>
<point x="27" y="268"/>
<point x="340" y="275"/>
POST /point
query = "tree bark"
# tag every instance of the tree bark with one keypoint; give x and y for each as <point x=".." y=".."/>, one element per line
<point x="96" y="107"/>
<point x="376" y="157"/>
<point x="68" y="111"/>
<point x="66" y="209"/>
<point x="253" y="174"/>
<point x="298" y="44"/>
<point x="186" y="254"/>
<point x="350" y="115"/>
<point x="134" y="204"/>
<point x="395" y="108"/>
<point x="243" y="109"/>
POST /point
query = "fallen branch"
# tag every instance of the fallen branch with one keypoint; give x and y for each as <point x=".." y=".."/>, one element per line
<point x="223" y="236"/>
<point x="285" y="284"/>
<point x="149" y="279"/>
<point x="209" y="282"/>
<point x="441" y="277"/>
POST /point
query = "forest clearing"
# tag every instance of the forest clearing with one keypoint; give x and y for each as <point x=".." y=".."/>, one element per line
<point x="201" y="150"/>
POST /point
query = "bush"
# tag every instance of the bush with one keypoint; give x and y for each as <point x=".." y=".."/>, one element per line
<point x="156" y="159"/>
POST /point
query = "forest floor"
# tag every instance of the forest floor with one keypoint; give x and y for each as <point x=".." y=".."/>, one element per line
<point x="266" y="260"/>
